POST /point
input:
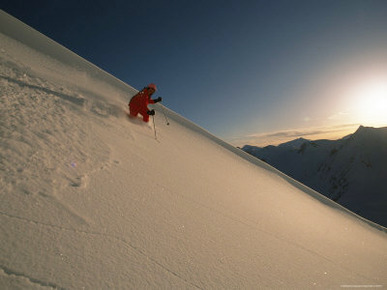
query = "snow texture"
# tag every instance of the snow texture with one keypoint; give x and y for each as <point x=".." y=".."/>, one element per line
<point x="91" y="200"/>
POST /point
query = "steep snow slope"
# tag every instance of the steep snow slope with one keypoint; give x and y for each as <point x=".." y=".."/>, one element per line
<point x="351" y="170"/>
<point x="91" y="200"/>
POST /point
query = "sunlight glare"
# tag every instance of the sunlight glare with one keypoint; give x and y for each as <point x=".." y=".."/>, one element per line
<point x="370" y="103"/>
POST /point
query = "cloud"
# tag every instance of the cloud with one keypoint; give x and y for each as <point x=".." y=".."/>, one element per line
<point x="338" y="116"/>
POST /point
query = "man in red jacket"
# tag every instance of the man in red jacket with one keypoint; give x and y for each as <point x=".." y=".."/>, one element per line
<point x="139" y="103"/>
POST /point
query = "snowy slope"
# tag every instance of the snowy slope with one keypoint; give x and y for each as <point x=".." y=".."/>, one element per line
<point x="90" y="200"/>
<point x="351" y="170"/>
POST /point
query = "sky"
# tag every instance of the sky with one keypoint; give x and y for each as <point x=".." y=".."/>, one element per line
<point x="250" y="72"/>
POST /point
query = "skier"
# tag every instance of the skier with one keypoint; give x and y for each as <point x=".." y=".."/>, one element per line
<point x="139" y="102"/>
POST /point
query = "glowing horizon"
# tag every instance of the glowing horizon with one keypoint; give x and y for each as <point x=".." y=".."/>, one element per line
<point x="278" y="137"/>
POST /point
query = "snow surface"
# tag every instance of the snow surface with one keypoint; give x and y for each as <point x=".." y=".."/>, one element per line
<point x="91" y="200"/>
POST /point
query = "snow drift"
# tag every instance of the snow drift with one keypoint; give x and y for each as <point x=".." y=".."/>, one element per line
<point x="89" y="198"/>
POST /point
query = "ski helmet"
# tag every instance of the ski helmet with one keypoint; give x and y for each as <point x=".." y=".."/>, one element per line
<point x="152" y="86"/>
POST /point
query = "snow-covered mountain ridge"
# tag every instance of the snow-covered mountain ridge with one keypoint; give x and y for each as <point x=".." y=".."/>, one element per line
<point x="351" y="171"/>
<point x="91" y="200"/>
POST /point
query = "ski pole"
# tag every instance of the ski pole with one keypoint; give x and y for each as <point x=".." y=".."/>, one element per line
<point x="165" y="116"/>
<point x="154" y="126"/>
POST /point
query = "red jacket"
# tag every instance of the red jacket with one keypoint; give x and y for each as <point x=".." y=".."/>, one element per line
<point x="139" y="103"/>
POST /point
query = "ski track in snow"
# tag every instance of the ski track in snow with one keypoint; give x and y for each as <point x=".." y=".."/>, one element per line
<point x="91" y="233"/>
<point x="14" y="274"/>
<point x="246" y="222"/>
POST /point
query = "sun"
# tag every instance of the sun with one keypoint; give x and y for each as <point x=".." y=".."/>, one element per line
<point x="369" y="104"/>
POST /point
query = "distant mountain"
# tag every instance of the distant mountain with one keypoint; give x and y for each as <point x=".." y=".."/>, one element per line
<point x="351" y="171"/>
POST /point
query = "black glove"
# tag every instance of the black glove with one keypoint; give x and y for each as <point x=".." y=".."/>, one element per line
<point x="159" y="99"/>
<point x="151" y="112"/>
